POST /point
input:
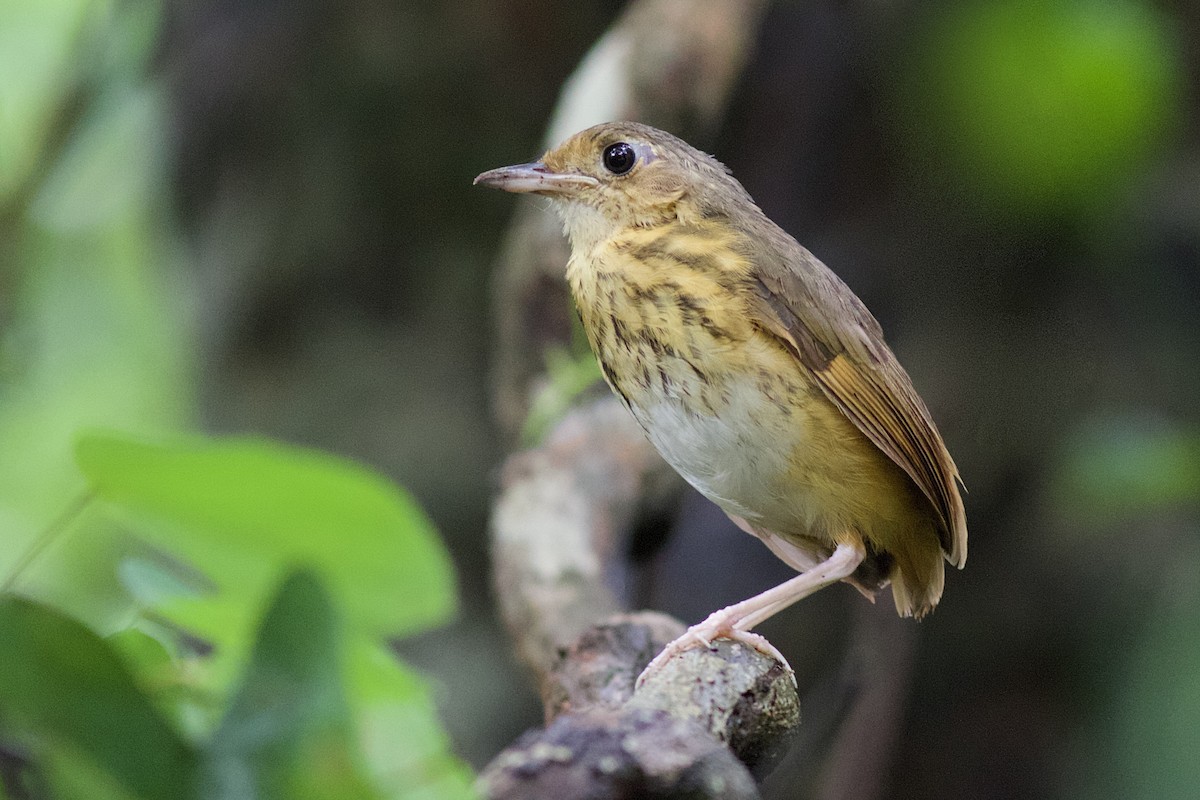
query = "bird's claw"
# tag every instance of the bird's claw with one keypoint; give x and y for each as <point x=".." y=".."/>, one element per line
<point x="705" y="634"/>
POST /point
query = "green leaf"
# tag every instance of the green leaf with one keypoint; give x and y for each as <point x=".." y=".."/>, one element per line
<point x="168" y="673"/>
<point x="407" y="750"/>
<point x="70" y="776"/>
<point x="287" y="731"/>
<point x="244" y="510"/>
<point x="568" y="376"/>
<point x="63" y="685"/>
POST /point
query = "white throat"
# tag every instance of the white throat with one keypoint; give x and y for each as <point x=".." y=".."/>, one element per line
<point x="584" y="225"/>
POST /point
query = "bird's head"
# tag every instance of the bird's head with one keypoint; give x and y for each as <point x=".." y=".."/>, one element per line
<point x="622" y="174"/>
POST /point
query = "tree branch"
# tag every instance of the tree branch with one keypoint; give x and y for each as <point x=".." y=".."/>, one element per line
<point x="559" y="532"/>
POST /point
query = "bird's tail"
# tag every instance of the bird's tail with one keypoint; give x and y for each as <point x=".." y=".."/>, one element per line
<point x="918" y="579"/>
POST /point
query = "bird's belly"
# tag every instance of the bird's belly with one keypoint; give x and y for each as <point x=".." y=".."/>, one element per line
<point x="776" y="454"/>
<point x="733" y="458"/>
<point x="743" y="453"/>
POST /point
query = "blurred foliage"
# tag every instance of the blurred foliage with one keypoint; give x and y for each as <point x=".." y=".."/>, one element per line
<point x="1117" y="469"/>
<point x="243" y="511"/>
<point x="1044" y="106"/>
<point x="1113" y="474"/>
<point x="568" y="375"/>
<point x="1148" y="737"/>
<point x="206" y="618"/>
<point x="320" y="709"/>
<point x="94" y="328"/>
<point x="64" y="686"/>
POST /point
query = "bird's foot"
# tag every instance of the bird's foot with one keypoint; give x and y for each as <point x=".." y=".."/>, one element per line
<point x="721" y="624"/>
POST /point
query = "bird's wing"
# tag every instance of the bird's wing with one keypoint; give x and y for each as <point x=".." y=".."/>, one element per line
<point x="830" y="331"/>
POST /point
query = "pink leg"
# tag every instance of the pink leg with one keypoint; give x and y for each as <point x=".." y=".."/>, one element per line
<point x="735" y="621"/>
<point x="795" y="556"/>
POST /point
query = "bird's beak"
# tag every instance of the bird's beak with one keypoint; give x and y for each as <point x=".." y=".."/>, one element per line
<point x="536" y="178"/>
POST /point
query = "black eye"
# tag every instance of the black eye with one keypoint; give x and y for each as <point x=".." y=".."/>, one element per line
<point x="619" y="158"/>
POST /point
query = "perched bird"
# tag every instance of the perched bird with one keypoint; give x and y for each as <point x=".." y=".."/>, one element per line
<point x="756" y="373"/>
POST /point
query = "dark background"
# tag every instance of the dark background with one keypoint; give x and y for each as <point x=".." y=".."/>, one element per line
<point x="1012" y="187"/>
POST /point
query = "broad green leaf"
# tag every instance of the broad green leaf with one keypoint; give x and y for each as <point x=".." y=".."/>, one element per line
<point x="69" y="566"/>
<point x="70" y="776"/>
<point x="244" y="510"/>
<point x="406" y="748"/>
<point x="168" y="673"/>
<point x="63" y="685"/>
<point x="287" y="732"/>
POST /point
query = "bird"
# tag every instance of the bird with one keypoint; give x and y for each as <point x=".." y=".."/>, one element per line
<point x="756" y="373"/>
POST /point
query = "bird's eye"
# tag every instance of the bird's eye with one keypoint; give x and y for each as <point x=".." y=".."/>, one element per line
<point x="619" y="158"/>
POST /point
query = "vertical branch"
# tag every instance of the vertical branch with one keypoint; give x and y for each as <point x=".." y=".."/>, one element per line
<point x="559" y="527"/>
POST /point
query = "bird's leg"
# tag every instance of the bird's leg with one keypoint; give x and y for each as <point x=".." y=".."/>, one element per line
<point x="735" y="621"/>
<point x="796" y="556"/>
